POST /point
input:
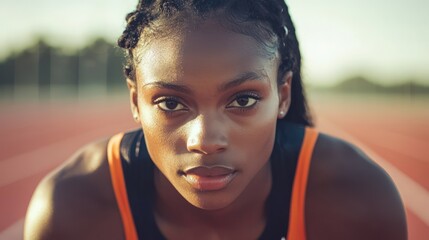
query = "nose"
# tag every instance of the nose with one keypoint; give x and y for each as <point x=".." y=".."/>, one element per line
<point x="207" y="135"/>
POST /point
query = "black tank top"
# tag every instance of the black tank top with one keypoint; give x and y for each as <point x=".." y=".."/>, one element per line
<point x="138" y="172"/>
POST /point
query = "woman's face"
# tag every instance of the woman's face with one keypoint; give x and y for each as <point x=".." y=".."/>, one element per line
<point x="208" y="102"/>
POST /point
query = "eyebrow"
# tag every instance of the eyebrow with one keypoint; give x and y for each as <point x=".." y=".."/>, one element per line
<point x="166" y="85"/>
<point x="242" y="78"/>
<point x="238" y="80"/>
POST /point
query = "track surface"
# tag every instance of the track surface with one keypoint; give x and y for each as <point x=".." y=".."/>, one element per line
<point x="35" y="138"/>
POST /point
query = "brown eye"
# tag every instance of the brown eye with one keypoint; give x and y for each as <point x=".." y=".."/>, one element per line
<point x="244" y="102"/>
<point x="170" y="105"/>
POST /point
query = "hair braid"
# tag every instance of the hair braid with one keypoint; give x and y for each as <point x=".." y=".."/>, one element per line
<point x="274" y="13"/>
<point x="299" y="111"/>
<point x="136" y="22"/>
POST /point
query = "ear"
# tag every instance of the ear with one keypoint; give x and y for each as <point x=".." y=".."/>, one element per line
<point x="285" y="95"/>
<point x="132" y="87"/>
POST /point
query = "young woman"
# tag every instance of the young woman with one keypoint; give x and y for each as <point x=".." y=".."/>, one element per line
<point x="225" y="150"/>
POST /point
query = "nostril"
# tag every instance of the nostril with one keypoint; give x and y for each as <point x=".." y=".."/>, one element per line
<point x="206" y="149"/>
<point x="221" y="149"/>
<point x="198" y="151"/>
<point x="204" y="146"/>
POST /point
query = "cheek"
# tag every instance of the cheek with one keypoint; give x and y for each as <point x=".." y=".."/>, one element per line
<point x="256" y="136"/>
<point x="160" y="142"/>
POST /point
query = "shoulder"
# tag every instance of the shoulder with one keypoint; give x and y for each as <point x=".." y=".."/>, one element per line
<point x="75" y="200"/>
<point x="355" y="196"/>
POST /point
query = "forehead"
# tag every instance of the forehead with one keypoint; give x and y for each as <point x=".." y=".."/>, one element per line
<point x="206" y="50"/>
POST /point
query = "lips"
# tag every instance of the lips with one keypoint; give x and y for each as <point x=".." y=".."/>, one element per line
<point x="211" y="178"/>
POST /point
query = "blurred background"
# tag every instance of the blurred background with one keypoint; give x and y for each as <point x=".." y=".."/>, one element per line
<point x="366" y="70"/>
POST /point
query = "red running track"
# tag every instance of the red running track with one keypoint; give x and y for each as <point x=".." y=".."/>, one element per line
<point x="39" y="137"/>
<point x="395" y="133"/>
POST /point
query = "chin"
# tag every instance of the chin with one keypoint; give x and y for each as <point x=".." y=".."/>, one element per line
<point x="210" y="200"/>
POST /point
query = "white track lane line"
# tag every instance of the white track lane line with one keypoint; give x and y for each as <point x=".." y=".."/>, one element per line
<point x="31" y="163"/>
<point x="14" y="231"/>
<point x="400" y="143"/>
<point x="415" y="197"/>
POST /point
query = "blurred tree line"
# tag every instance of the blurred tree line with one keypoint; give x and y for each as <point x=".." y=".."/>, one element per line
<point x="43" y="71"/>
<point x="363" y="85"/>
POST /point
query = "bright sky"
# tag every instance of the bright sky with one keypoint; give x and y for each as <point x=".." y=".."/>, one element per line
<point x="383" y="39"/>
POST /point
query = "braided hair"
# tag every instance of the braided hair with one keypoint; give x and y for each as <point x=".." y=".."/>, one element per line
<point x="270" y="19"/>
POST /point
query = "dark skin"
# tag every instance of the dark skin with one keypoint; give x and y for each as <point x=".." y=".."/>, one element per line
<point x="201" y="127"/>
<point x="79" y="202"/>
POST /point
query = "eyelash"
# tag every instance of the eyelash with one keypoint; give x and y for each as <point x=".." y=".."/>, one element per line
<point x="161" y="100"/>
<point x="251" y="95"/>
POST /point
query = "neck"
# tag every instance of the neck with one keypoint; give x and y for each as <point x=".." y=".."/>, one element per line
<point x="247" y="210"/>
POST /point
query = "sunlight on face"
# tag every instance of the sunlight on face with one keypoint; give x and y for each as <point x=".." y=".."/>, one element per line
<point x="208" y="104"/>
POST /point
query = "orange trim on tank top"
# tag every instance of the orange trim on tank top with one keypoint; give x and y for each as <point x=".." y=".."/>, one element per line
<point x="118" y="182"/>
<point x="297" y="229"/>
